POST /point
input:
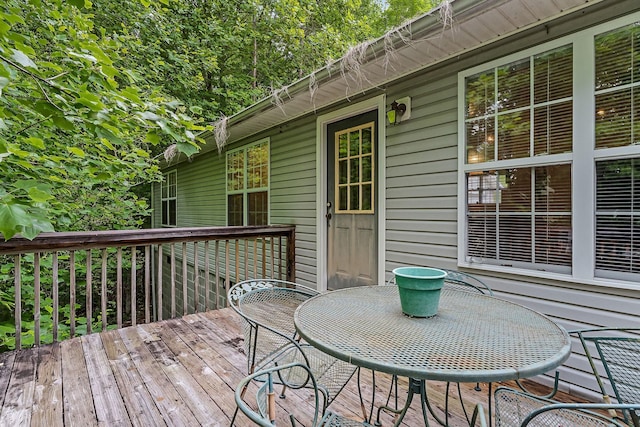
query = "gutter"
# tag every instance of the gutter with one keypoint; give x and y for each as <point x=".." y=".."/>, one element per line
<point x="420" y="27"/>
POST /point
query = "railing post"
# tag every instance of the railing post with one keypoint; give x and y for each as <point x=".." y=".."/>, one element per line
<point x="291" y="256"/>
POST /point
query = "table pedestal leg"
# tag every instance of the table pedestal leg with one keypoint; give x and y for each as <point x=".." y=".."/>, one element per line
<point x="418" y="387"/>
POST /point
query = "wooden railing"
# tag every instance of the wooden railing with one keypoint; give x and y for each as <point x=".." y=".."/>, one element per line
<point x="61" y="285"/>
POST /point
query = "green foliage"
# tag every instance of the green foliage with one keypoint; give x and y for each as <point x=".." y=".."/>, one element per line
<point x="75" y="128"/>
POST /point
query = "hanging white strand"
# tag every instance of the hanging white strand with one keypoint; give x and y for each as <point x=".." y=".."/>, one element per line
<point x="170" y="152"/>
<point x="313" y="88"/>
<point x="220" y="133"/>
<point x="276" y="98"/>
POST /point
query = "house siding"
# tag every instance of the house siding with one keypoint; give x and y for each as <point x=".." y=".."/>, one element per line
<point x="421" y="213"/>
<point x="421" y="187"/>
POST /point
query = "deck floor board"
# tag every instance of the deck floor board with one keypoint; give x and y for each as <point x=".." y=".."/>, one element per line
<point x="178" y="372"/>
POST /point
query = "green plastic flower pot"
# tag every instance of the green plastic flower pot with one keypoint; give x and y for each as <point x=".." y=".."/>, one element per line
<point x="419" y="289"/>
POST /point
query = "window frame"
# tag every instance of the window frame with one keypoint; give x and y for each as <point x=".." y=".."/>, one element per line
<point x="165" y="184"/>
<point x="245" y="191"/>
<point x="582" y="159"/>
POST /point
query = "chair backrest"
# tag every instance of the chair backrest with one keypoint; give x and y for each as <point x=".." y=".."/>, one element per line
<point x="517" y="408"/>
<point x="460" y="281"/>
<point x="618" y="350"/>
<point x="264" y="410"/>
<point x="465" y="282"/>
<point x="266" y="307"/>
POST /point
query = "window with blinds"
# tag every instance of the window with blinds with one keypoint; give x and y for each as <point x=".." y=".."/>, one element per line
<point x="248" y="185"/>
<point x="519" y="215"/>
<point x="617" y="128"/>
<point x="550" y="158"/>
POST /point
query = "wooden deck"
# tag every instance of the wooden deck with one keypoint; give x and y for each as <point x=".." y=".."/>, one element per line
<point x="179" y="372"/>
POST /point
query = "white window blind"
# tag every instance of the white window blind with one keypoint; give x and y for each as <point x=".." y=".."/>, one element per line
<point x="520" y="216"/>
<point x="617" y="117"/>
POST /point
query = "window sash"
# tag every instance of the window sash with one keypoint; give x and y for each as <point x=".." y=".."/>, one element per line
<point x="248" y="176"/>
<point x="594" y="144"/>
<point x="169" y="202"/>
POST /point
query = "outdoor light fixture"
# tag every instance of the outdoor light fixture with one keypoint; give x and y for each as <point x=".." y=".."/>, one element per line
<point x="400" y="110"/>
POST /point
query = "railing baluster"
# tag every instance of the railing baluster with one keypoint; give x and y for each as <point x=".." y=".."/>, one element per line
<point x="72" y="294"/>
<point x="119" y="288"/>
<point x="237" y="246"/>
<point x="273" y="259"/>
<point x="173" y="280"/>
<point x="246" y="260"/>
<point x="36" y="298"/>
<point x="264" y="259"/>
<point x="217" y="263"/>
<point x="280" y="258"/>
<point x="196" y="277"/>
<point x="147" y="284"/>
<point x="159" y="284"/>
<point x="89" y="296"/>
<point x="103" y="290"/>
<point x="184" y="278"/>
<point x="134" y="311"/>
<point x="207" y="277"/>
<point x="226" y="267"/>
<point x="255" y="258"/>
<point x="18" y="299"/>
<point x="54" y="290"/>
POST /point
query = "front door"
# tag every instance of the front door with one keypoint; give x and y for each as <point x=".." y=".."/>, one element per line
<point x="351" y="201"/>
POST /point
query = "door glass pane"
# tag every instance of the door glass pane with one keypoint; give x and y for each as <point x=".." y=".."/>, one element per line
<point x="354" y="144"/>
<point x="366" y="169"/>
<point x="343" y="145"/>
<point x="342" y="198"/>
<point x="354" y="197"/>
<point x="366" y="141"/>
<point x="367" y="199"/>
<point x="355" y="170"/>
<point x="342" y="172"/>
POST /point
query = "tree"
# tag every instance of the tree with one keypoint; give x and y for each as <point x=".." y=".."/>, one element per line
<point x="75" y="127"/>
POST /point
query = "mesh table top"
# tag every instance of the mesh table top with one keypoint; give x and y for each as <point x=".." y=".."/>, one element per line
<point x="473" y="337"/>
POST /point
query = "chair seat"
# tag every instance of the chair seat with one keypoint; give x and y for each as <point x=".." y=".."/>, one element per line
<point x="331" y="374"/>
<point x="332" y="419"/>
<point x="513" y="406"/>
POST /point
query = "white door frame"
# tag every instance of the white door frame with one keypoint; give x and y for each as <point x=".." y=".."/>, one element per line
<point x="378" y="102"/>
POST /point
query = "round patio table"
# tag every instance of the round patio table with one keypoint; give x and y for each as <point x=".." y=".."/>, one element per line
<point x="472" y="338"/>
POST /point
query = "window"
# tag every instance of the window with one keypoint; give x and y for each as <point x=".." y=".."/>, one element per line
<point x="550" y="158"/>
<point x="248" y="185"/>
<point x="354" y="172"/>
<point x="168" y="194"/>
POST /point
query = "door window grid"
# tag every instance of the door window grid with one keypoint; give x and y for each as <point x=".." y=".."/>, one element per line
<point x="355" y="169"/>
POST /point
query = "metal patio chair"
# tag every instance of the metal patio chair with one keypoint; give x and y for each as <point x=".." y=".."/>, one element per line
<point x="617" y="350"/>
<point x="462" y="282"/>
<point x="263" y="410"/>
<point x="270" y="338"/>
<point x="515" y="408"/>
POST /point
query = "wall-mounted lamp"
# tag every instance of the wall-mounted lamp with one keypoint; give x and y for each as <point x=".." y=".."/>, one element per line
<point x="400" y="110"/>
